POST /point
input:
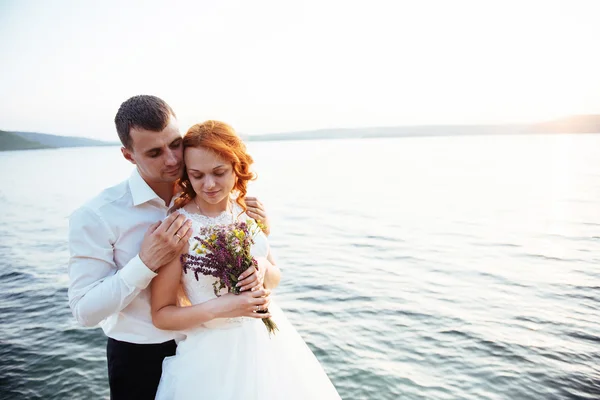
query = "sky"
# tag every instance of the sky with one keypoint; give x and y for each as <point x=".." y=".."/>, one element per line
<point x="281" y="66"/>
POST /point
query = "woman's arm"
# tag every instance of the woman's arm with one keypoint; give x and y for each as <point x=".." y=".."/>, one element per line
<point x="167" y="315"/>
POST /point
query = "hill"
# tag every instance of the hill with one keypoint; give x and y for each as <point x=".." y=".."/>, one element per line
<point x="61" y="141"/>
<point x="10" y="141"/>
<point x="573" y="124"/>
<point x="32" y="140"/>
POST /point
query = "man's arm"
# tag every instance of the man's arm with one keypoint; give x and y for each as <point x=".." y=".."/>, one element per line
<point x="256" y="210"/>
<point x="97" y="288"/>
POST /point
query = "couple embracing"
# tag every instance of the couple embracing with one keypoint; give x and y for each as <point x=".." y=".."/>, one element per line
<point x="173" y="333"/>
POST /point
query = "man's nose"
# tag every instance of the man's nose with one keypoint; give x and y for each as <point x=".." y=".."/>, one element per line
<point x="171" y="158"/>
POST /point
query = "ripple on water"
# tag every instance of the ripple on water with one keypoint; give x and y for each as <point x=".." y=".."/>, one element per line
<point x="437" y="294"/>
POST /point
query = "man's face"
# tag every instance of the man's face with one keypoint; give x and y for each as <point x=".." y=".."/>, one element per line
<point x="158" y="155"/>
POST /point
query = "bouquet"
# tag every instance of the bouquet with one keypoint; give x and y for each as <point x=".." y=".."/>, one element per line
<point x="223" y="251"/>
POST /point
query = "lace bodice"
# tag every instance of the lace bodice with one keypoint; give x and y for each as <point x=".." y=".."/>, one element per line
<point x="201" y="290"/>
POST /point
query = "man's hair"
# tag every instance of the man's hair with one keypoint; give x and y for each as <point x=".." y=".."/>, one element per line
<point x="143" y="111"/>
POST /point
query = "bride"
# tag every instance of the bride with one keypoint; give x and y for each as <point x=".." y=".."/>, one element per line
<point x="228" y="352"/>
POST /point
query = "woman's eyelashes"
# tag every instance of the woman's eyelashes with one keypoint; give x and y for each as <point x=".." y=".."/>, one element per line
<point x="202" y="176"/>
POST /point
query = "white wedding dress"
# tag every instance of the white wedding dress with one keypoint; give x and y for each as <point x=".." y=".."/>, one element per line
<point x="235" y="358"/>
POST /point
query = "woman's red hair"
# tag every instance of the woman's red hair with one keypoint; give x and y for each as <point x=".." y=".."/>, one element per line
<point x="224" y="141"/>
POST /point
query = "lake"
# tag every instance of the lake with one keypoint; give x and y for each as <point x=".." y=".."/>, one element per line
<point x="415" y="268"/>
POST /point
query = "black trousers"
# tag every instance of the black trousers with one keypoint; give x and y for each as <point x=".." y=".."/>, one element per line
<point x="134" y="369"/>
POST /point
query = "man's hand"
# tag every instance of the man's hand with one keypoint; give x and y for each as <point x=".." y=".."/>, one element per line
<point x="256" y="210"/>
<point x="165" y="240"/>
<point x="254" y="278"/>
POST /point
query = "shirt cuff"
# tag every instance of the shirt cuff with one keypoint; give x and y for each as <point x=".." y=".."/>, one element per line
<point x="136" y="273"/>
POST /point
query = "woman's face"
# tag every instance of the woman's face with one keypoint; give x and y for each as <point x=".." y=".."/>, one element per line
<point x="211" y="176"/>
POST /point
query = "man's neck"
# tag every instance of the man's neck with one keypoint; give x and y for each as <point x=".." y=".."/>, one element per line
<point x="164" y="190"/>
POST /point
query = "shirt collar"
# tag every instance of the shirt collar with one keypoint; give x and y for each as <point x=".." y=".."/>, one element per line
<point x="140" y="191"/>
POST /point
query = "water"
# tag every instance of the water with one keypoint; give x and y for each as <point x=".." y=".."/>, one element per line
<point x="415" y="268"/>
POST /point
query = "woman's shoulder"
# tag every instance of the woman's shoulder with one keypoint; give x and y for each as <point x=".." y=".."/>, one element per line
<point x="186" y="211"/>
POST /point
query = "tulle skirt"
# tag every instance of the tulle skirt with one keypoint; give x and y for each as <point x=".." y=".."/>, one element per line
<point x="238" y="359"/>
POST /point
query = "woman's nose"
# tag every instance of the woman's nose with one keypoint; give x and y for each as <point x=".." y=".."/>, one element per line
<point x="209" y="182"/>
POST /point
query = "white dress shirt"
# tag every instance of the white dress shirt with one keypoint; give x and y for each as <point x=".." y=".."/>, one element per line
<point x="109" y="284"/>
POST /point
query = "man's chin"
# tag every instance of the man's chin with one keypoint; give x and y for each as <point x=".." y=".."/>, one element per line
<point x="172" y="176"/>
<point x="170" y="179"/>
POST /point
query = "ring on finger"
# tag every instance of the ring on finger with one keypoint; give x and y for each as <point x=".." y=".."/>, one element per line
<point x="177" y="234"/>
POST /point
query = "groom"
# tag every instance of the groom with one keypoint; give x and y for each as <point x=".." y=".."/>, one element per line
<point x="119" y="240"/>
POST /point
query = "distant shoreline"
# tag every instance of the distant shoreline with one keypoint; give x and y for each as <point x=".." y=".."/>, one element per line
<point x="57" y="148"/>
<point x="290" y="137"/>
<point x="12" y="141"/>
<point x="277" y="138"/>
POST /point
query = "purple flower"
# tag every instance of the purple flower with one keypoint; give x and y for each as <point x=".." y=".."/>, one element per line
<point x="225" y="255"/>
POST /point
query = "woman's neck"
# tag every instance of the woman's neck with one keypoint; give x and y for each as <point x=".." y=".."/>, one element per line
<point x="210" y="210"/>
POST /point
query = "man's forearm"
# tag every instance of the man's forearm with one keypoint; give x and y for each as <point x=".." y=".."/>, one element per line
<point x="99" y="300"/>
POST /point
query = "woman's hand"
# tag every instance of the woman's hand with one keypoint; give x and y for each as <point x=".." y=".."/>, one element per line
<point x="244" y="305"/>
<point x="254" y="278"/>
